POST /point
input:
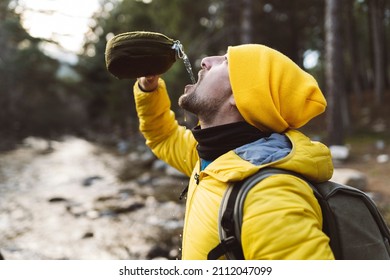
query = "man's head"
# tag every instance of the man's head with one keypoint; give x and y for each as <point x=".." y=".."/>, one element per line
<point x="256" y="84"/>
<point x="211" y="98"/>
<point x="271" y="92"/>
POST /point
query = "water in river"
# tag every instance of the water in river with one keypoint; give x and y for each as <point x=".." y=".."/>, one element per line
<point x="76" y="200"/>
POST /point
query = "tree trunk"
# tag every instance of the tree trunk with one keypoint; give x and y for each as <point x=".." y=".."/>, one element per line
<point x="334" y="71"/>
<point x="232" y="9"/>
<point x="246" y="22"/>
<point x="377" y="24"/>
<point x="353" y="51"/>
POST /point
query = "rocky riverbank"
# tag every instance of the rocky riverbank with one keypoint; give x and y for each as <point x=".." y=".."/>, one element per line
<point x="75" y="200"/>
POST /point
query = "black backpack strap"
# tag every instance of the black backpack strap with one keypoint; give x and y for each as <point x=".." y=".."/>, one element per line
<point x="229" y="244"/>
<point x="232" y="217"/>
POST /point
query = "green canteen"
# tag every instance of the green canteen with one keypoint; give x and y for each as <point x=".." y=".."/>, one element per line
<point x="140" y="53"/>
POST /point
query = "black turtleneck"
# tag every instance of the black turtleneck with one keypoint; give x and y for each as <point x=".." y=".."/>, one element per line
<point x="215" y="141"/>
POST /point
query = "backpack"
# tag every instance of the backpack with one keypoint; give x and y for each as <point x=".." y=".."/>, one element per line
<point x="351" y="220"/>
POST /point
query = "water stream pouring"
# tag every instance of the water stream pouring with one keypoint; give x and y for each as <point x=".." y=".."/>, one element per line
<point x="178" y="47"/>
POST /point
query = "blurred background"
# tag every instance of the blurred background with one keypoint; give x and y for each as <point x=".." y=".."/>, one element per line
<point x="77" y="182"/>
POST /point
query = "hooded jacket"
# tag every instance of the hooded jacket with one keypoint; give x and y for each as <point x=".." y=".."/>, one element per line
<point x="282" y="218"/>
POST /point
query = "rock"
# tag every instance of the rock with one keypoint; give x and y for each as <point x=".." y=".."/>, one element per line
<point x="382" y="158"/>
<point x="380" y="145"/>
<point x="167" y="188"/>
<point x="123" y="147"/>
<point x="36" y="143"/>
<point x="159" y="165"/>
<point x="158" y="252"/>
<point x="134" y="167"/>
<point x="76" y="209"/>
<point x="144" y="178"/>
<point x="379" y="125"/>
<point x="126" y="192"/>
<point x="92" y="214"/>
<point x="57" y="199"/>
<point x="89" y="181"/>
<point x="170" y="171"/>
<point x="87" y="235"/>
<point x="340" y="153"/>
<point x="145" y="158"/>
<point x="113" y="207"/>
<point x="130" y="208"/>
<point x="350" y="177"/>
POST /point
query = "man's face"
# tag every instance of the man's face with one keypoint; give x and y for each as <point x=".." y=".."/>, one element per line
<point x="212" y="91"/>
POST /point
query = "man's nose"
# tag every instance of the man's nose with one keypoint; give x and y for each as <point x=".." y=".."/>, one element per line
<point x="209" y="61"/>
<point x="205" y="63"/>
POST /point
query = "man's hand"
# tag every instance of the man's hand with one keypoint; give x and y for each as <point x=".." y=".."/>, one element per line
<point x="148" y="83"/>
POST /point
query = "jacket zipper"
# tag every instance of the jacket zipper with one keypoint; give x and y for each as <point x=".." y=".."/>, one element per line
<point x="196" y="177"/>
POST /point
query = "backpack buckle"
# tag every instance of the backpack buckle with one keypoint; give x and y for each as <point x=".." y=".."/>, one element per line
<point x="227" y="245"/>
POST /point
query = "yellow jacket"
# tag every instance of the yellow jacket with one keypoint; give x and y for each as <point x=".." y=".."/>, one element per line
<point x="282" y="218"/>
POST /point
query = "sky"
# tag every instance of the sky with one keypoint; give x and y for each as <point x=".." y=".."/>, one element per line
<point x="64" y="21"/>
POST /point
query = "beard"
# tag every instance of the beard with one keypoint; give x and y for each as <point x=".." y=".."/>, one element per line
<point x="189" y="101"/>
<point x="204" y="109"/>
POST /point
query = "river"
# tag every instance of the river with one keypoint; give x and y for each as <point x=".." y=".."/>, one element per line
<point x="76" y="200"/>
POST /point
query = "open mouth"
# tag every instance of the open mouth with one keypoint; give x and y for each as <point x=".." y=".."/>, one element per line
<point x="201" y="74"/>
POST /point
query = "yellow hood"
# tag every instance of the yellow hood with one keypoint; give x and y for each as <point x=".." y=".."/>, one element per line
<point x="272" y="93"/>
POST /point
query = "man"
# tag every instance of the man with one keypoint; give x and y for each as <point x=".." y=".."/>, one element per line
<point x="248" y="103"/>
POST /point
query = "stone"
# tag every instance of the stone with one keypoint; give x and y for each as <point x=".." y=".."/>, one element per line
<point x="350" y="177"/>
<point x="339" y="152"/>
<point x="383" y="158"/>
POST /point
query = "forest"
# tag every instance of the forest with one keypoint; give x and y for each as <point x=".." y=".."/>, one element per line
<point x="343" y="44"/>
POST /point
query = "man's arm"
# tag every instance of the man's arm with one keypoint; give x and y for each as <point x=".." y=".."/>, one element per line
<point x="167" y="139"/>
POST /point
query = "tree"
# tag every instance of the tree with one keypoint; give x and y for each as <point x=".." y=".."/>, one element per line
<point x="246" y="22"/>
<point x="353" y="51"/>
<point x="33" y="100"/>
<point x="334" y="71"/>
<point x="195" y="24"/>
<point x="232" y="25"/>
<point x="376" y="8"/>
